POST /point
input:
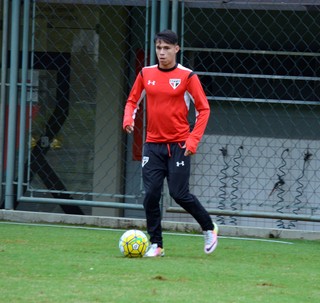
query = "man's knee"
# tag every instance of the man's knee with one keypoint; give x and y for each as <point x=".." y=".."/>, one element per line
<point x="180" y="196"/>
<point x="151" y="198"/>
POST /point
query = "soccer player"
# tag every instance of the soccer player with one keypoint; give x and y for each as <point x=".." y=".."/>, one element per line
<point x="169" y="88"/>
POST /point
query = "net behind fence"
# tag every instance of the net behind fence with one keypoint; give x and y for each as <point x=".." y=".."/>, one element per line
<point x="259" y="64"/>
<point x="84" y="59"/>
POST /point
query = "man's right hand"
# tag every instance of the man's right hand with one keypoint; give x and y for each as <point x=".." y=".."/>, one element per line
<point x="129" y="129"/>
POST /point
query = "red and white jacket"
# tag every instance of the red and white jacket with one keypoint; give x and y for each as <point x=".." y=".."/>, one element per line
<point x="169" y="93"/>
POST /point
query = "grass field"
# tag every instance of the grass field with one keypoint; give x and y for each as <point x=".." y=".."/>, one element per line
<point x="64" y="264"/>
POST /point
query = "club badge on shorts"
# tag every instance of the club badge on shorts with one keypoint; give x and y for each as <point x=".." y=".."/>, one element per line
<point x="144" y="161"/>
<point x="174" y="83"/>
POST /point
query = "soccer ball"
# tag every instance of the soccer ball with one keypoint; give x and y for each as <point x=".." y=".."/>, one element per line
<point x="133" y="243"/>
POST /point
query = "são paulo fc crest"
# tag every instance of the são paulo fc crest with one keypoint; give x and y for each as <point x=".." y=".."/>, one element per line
<point x="174" y="83"/>
<point x="144" y="161"/>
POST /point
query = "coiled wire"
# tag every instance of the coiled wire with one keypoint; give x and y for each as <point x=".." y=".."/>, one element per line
<point x="297" y="200"/>
<point x="234" y="184"/>
<point x="223" y="188"/>
<point x="278" y="186"/>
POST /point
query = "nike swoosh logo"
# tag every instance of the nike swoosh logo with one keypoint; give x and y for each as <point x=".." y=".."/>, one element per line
<point x="208" y="249"/>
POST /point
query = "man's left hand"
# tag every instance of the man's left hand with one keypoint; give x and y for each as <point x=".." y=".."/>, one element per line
<point x="188" y="153"/>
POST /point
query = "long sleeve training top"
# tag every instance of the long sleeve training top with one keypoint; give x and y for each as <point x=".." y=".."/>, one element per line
<point x="168" y="95"/>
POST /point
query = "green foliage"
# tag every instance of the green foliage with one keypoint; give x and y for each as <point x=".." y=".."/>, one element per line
<point x="62" y="264"/>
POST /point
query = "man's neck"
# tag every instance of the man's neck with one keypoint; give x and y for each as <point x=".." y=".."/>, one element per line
<point x="167" y="69"/>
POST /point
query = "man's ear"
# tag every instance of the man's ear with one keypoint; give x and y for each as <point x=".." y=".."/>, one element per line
<point x="177" y="48"/>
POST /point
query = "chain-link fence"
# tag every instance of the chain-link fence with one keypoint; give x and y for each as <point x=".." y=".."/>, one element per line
<point x="93" y="48"/>
<point x="260" y="67"/>
<point x="259" y="64"/>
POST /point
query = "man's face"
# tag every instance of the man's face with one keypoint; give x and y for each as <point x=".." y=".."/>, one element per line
<point x="166" y="54"/>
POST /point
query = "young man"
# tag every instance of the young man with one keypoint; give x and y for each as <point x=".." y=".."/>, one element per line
<point x="169" y="88"/>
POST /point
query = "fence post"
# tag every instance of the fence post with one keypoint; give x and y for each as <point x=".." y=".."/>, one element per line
<point x="153" y="31"/>
<point x="174" y="17"/>
<point x="4" y="58"/>
<point x="25" y="51"/>
<point x="11" y="135"/>
<point x="164" y="14"/>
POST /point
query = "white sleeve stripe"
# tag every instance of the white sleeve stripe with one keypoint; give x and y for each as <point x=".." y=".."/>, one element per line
<point x="143" y="93"/>
<point x="187" y="98"/>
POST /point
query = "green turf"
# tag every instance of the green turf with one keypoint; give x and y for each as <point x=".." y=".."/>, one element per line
<point x="50" y="264"/>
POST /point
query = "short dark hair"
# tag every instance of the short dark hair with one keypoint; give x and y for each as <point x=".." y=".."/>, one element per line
<point x="167" y="36"/>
